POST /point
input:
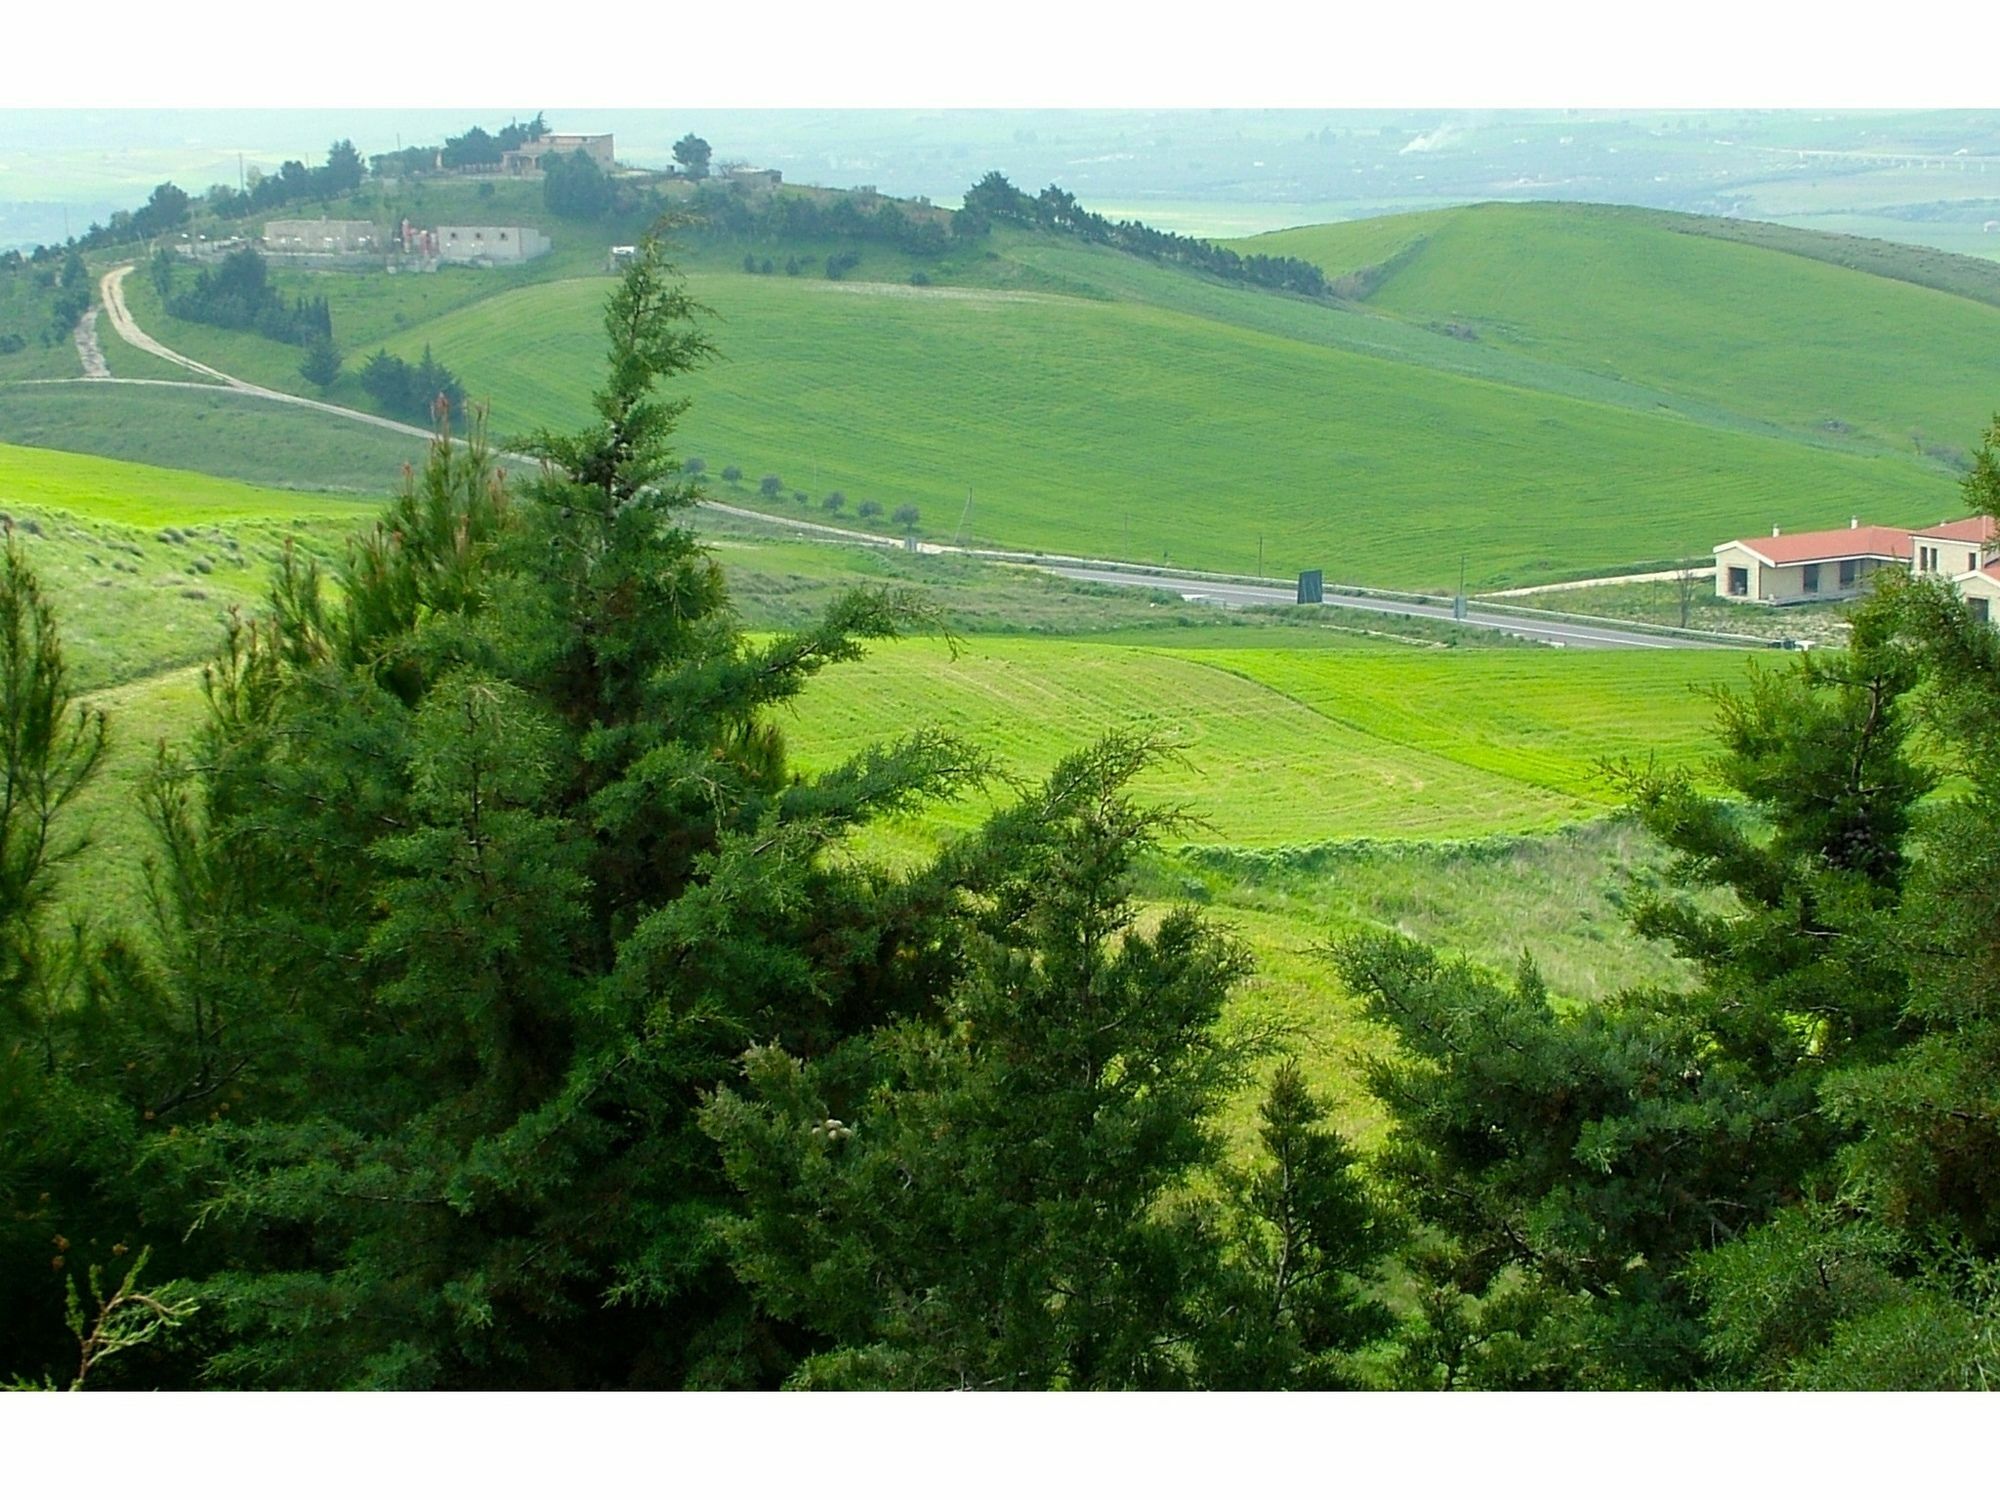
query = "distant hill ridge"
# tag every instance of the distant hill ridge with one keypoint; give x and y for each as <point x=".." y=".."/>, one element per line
<point x="1939" y="270"/>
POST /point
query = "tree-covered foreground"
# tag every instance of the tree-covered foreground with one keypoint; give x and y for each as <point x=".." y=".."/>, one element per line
<point x="507" y="1013"/>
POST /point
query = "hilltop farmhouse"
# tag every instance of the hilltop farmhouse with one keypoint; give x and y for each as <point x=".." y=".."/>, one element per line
<point x="526" y="159"/>
<point x="1811" y="566"/>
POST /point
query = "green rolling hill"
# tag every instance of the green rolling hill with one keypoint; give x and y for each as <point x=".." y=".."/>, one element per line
<point x="1079" y="424"/>
<point x="1550" y="391"/>
<point x="1805" y="344"/>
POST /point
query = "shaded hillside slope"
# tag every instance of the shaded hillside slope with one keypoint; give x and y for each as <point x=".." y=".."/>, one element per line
<point x="1663" y="301"/>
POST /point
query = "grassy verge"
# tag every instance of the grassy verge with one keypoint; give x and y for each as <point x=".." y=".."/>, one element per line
<point x="1660" y="604"/>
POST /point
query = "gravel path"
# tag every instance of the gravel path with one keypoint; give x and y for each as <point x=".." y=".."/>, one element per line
<point x="88" y="350"/>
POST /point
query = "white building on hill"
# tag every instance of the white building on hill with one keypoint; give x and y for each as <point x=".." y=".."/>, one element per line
<point x="490" y="244"/>
<point x="1808" y="565"/>
<point x="321" y="237"/>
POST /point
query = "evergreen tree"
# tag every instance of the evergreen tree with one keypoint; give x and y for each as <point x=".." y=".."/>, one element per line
<point x="321" y="364"/>
<point x="1570" y="1163"/>
<point x="487" y="864"/>
<point x="1004" y="1191"/>
<point x="64" y="1143"/>
<point x="1886" y="1273"/>
<point x="692" y="153"/>
<point x="1308" y="1230"/>
<point x="575" y="187"/>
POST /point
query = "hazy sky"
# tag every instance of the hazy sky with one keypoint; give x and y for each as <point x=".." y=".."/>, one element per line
<point x="1930" y="176"/>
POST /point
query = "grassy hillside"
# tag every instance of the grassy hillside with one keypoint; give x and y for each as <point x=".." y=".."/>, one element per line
<point x="26" y="311"/>
<point x="1550" y="391"/>
<point x="1079" y="423"/>
<point x="142" y="495"/>
<point x="142" y="563"/>
<point x="1806" y="343"/>
<point x="210" y="431"/>
<point x="1294" y="747"/>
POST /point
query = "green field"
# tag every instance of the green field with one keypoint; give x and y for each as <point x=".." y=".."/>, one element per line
<point x="1792" y="340"/>
<point x="209" y="431"/>
<point x="133" y="494"/>
<point x="1446" y="785"/>
<point x="1079" y="424"/>
<point x="1554" y="893"/>
<point x="1282" y="746"/>
<point x="142" y="563"/>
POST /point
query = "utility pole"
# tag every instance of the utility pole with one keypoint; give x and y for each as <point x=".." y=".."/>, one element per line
<point x="1260" y="554"/>
<point x="1458" y="604"/>
<point x="958" y="536"/>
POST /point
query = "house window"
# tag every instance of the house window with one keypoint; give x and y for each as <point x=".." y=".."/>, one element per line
<point x="1739" y="582"/>
<point x="1850" y="569"/>
<point x="1809" y="578"/>
<point x="1972" y="562"/>
<point x="1981" y="610"/>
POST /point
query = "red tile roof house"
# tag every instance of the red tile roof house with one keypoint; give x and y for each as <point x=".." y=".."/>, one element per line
<point x="1808" y="565"/>
<point x="1831" y="565"/>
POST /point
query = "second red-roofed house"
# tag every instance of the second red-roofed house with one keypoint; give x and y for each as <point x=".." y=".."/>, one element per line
<point x="1952" y="549"/>
<point x="1981" y="588"/>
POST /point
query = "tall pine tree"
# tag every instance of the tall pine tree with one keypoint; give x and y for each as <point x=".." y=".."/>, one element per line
<point x="486" y="864"/>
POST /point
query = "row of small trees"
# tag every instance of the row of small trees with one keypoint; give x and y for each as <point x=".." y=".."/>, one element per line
<point x="803" y="217"/>
<point x="294" y="182"/>
<point x="993" y="199"/>
<point x="905" y="517"/>
<point x="475" y="147"/>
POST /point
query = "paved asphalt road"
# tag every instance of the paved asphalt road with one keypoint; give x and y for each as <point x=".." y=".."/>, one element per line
<point x="1557" y="633"/>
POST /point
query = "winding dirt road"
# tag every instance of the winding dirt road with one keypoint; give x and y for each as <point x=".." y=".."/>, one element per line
<point x="112" y="290"/>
